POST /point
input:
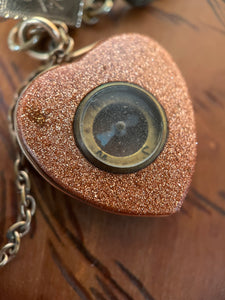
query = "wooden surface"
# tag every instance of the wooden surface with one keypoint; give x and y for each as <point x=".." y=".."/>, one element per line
<point x="78" y="252"/>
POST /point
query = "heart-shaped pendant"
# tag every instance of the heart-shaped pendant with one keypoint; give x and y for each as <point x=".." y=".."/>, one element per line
<point x="114" y="128"/>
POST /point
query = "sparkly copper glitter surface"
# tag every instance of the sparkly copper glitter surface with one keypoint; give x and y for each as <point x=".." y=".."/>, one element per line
<point x="44" y="120"/>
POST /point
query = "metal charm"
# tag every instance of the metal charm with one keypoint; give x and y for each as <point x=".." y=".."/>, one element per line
<point x="70" y="11"/>
<point x="126" y="96"/>
<point x="128" y="104"/>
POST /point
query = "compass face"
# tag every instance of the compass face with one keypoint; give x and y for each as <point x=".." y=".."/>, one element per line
<point x="120" y="127"/>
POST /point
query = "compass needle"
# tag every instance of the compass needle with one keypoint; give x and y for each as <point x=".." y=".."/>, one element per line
<point x="105" y="137"/>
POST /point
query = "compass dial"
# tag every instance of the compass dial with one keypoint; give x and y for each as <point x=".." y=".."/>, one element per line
<point x="120" y="127"/>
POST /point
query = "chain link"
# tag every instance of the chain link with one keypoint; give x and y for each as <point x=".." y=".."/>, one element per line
<point x="93" y="9"/>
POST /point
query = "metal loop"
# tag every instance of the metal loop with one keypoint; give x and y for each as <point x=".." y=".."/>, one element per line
<point x="21" y="227"/>
<point x="22" y="191"/>
<point x="17" y="166"/>
<point x="26" y="35"/>
<point x="78" y="53"/>
<point x="5" y="254"/>
<point x="61" y="53"/>
<point x="3" y="259"/>
<point x="61" y="25"/>
<point x="47" y="26"/>
<point x="15" y="227"/>
<point x="16" y="244"/>
<point x="9" y="250"/>
<point x="6" y="248"/>
<point x="93" y="10"/>
<point x="23" y="180"/>
<point x="70" y="46"/>
<point x="28" y="204"/>
<point x="19" y="163"/>
<point x="28" y="218"/>
<point x="13" y="43"/>
<point x="31" y="205"/>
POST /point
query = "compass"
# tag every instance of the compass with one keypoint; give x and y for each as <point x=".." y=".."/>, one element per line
<point x="120" y="127"/>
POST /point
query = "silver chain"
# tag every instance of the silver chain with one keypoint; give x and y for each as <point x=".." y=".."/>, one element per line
<point x="27" y="210"/>
<point x="24" y="37"/>
<point x="27" y="202"/>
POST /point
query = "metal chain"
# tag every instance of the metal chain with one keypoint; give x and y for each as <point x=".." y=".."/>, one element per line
<point x="29" y="34"/>
<point x="25" y="36"/>
<point x="27" y="210"/>
<point x="27" y="202"/>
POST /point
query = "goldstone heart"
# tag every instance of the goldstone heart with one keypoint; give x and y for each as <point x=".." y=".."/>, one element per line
<point x="44" y="124"/>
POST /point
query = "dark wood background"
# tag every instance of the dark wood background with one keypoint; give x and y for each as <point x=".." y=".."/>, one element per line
<point x="78" y="252"/>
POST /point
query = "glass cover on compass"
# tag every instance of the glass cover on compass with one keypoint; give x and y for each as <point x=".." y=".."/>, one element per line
<point x="120" y="127"/>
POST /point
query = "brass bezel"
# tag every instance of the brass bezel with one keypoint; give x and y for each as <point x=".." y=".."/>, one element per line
<point x="131" y="166"/>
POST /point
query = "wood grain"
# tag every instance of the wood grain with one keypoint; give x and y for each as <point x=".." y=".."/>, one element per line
<point x="78" y="252"/>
